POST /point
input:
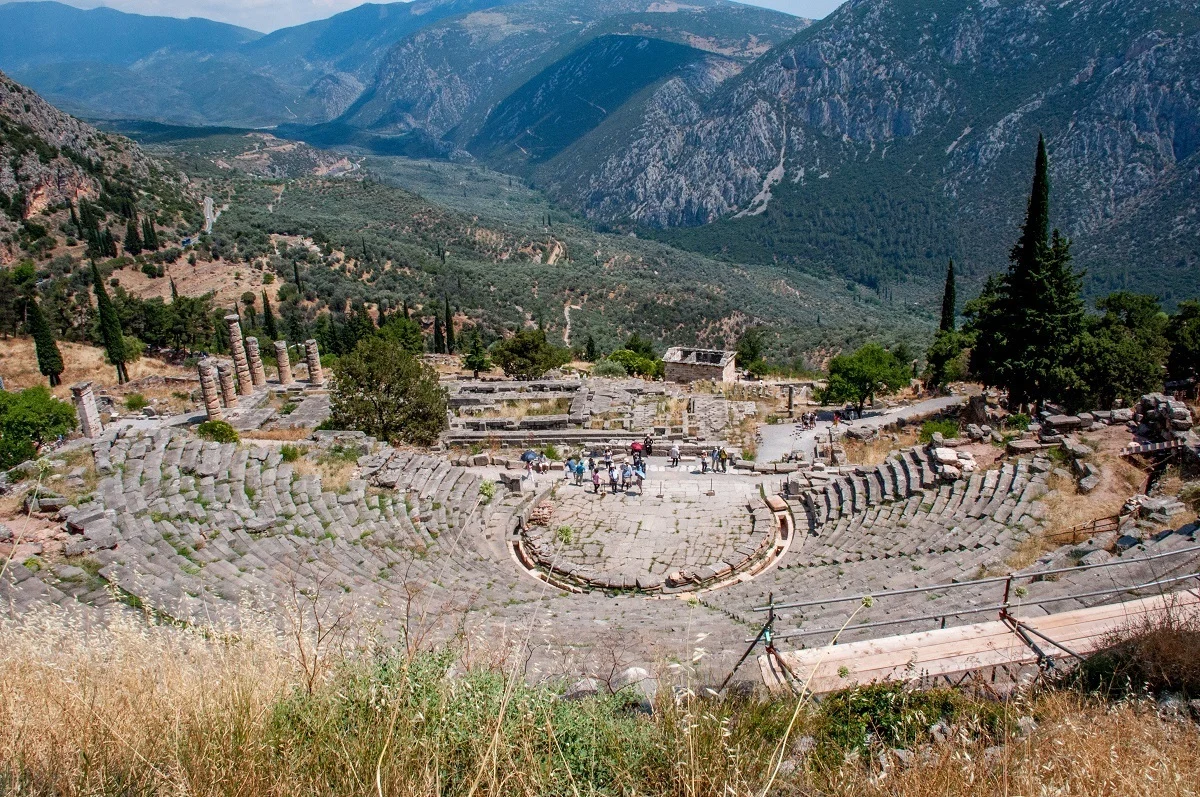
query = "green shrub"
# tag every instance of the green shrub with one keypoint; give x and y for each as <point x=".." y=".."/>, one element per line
<point x="291" y="453"/>
<point x="550" y="451"/>
<point x="288" y="408"/>
<point x="610" y="369"/>
<point x="1018" y="420"/>
<point x="564" y="535"/>
<point x="948" y="428"/>
<point x="896" y="716"/>
<point x="217" y="432"/>
<point x="487" y="489"/>
<point x="136" y="402"/>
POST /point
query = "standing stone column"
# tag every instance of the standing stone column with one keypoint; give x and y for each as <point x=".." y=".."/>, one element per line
<point x="210" y="390"/>
<point x="238" y="347"/>
<point x="312" y="356"/>
<point x="258" y="374"/>
<point x="228" y="392"/>
<point x="285" y="365"/>
<point x="85" y="408"/>
<point x="791" y="400"/>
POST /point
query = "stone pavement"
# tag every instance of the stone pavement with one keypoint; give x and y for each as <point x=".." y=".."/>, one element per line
<point x="631" y="541"/>
<point x="778" y="440"/>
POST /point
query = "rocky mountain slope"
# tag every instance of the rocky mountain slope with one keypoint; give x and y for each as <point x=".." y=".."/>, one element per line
<point x="49" y="161"/>
<point x="204" y="73"/>
<point x="920" y="117"/>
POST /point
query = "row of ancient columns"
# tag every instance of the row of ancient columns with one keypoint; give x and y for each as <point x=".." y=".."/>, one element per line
<point x="221" y="385"/>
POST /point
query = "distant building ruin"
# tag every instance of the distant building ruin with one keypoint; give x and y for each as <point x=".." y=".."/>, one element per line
<point x="694" y="365"/>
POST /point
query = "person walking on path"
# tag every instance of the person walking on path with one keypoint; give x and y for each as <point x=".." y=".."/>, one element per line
<point x="675" y="455"/>
<point x="703" y="462"/>
<point x="648" y="445"/>
<point x="579" y="473"/>
<point x="713" y="456"/>
<point x="596" y="481"/>
<point x="612" y="479"/>
<point x="626" y="476"/>
<point x="724" y="457"/>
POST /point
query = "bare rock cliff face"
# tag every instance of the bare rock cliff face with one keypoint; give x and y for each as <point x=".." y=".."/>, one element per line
<point x="957" y="91"/>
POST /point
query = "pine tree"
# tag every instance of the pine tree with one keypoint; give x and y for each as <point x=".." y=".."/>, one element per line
<point x="449" y="329"/>
<point x="110" y="328"/>
<point x="50" y="361"/>
<point x="133" y="239"/>
<point x="269" y="319"/>
<point x="949" y="302"/>
<point x="439" y="341"/>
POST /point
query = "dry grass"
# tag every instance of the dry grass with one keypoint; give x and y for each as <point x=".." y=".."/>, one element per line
<point x="874" y="452"/>
<point x="527" y="408"/>
<point x="1118" y="481"/>
<point x="138" y="709"/>
<point x="335" y="471"/>
<point x="288" y="435"/>
<point x="18" y="365"/>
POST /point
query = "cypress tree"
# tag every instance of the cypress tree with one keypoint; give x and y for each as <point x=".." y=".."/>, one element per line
<point x="439" y="342"/>
<point x="589" y="352"/>
<point x="133" y="240"/>
<point x="1028" y="323"/>
<point x="296" y="274"/>
<point x="50" y="361"/>
<point x="149" y="235"/>
<point x="110" y="328"/>
<point x="449" y="329"/>
<point x="407" y="312"/>
<point x="174" y="290"/>
<point x="75" y="223"/>
<point x="269" y="318"/>
<point x="949" y="301"/>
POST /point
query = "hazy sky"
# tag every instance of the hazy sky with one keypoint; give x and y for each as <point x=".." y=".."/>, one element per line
<point x="267" y="15"/>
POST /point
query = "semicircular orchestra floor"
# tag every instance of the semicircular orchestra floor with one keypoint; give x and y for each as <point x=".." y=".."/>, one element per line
<point x="674" y="537"/>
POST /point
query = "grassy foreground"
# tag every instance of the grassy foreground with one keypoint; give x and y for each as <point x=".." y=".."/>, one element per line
<point x="134" y="709"/>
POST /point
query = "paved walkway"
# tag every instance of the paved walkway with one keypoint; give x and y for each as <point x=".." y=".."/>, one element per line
<point x="780" y="439"/>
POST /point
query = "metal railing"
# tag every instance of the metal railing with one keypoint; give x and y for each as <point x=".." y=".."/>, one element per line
<point x="1012" y="587"/>
<point x="1085" y="530"/>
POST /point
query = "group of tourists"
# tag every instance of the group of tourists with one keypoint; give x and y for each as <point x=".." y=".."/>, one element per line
<point x="808" y="421"/>
<point x="716" y="460"/>
<point x="621" y="477"/>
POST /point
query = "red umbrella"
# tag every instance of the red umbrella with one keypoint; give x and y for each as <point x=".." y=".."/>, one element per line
<point x="636" y="447"/>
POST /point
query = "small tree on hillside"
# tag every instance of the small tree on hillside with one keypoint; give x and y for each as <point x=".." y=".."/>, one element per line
<point x="110" y="328"/>
<point x="750" y="346"/>
<point x="476" y="357"/>
<point x="860" y="377"/>
<point x="269" y="319"/>
<point x="28" y="420"/>
<point x="450" y="347"/>
<point x="439" y="340"/>
<point x="528" y="355"/>
<point x="949" y="302"/>
<point x="1183" y="331"/>
<point x="133" y="239"/>
<point x="50" y="361"/>
<point x="381" y="389"/>
<point x="590" y="352"/>
<point x="405" y="333"/>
